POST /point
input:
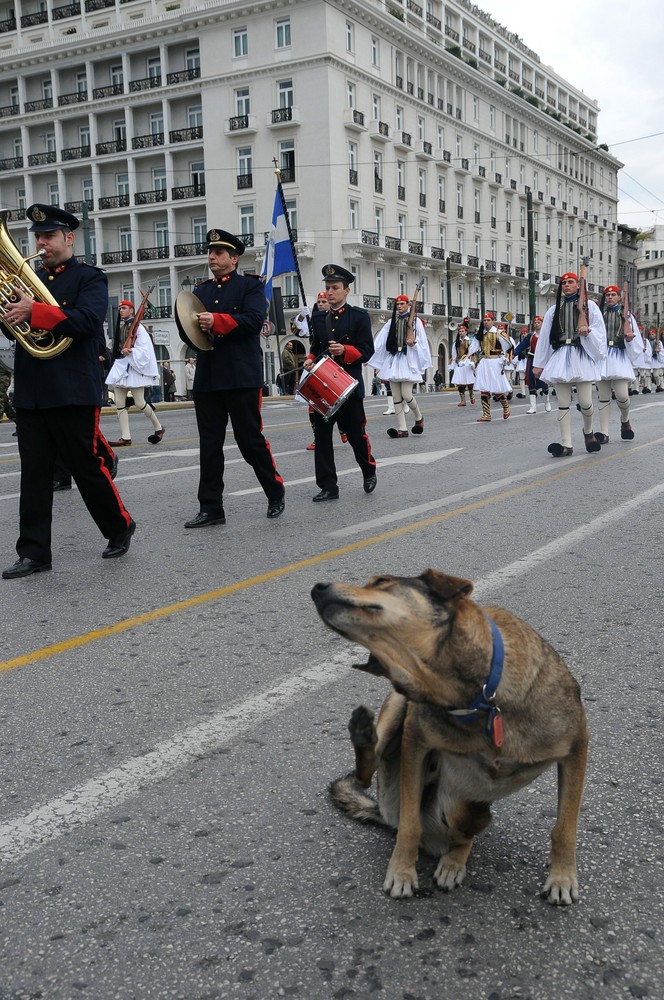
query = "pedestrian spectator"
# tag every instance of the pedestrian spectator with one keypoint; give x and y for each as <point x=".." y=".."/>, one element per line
<point x="134" y="367"/>
<point x="57" y="399"/>
<point x="189" y="376"/>
<point x="288" y="369"/>
<point x="5" y="402"/>
<point x="437" y="380"/>
<point x="229" y="380"/>
<point x="168" y="378"/>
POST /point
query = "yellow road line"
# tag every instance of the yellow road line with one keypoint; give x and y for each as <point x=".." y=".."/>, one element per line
<point x="213" y="595"/>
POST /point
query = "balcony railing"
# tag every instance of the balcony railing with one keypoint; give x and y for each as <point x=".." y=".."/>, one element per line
<point x="71" y="10"/>
<point x="371" y="301"/>
<point x="505" y="268"/>
<point x="190" y="191"/>
<point x="186" y="134"/>
<point x="369" y="238"/>
<point x="114" y="201"/>
<point x="237" y="123"/>
<point x="434" y="21"/>
<point x="11" y="163"/>
<point x="454" y="256"/>
<point x="189" y="249"/>
<point x="279" y="115"/>
<point x="244" y="181"/>
<point x="92" y="5"/>
<point x="415" y="248"/>
<point x="43" y="105"/>
<point x="9" y="110"/>
<point x="456" y="311"/>
<point x="76" y="152"/>
<point x="183" y="75"/>
<point x="473" y="261"/>
<point x="115" y="146"/>
<point x="287" y="175"/>
<point x="378" y="185"/>
<point x="490" y="265"/>
<point x="437" y="253"/>
<point x="76" y="207"/>
<point x="401" y="192"/>
<point x="117" y="257"/>
<point x="77" y="97"/>
<point x="147" y="141"/>
<point x="290" y="301"/>
<point x="352" y="177"/>
<point x="9" y="24"/>
<point x="146" y="83"/>
<point x="438" y="309"/>
<point x="158" y="312"/>
<point x="30" y="20"/>
<point x="112" y="90"/>
<point x="392" y="243"/>
<point x="154" y="253"/>
<point x="39" y="159"/>
<point x="150" y="197"/>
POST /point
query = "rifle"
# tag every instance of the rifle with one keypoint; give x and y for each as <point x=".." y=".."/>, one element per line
<point x="410" y="326"/>
<point x="584" y="319"/>
<point x="132" y="333"/>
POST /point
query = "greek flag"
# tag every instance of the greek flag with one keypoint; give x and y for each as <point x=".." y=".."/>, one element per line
<point x="279" y="255"/>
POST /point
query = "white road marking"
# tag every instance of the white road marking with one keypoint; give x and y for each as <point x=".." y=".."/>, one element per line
<point x="47" y="823"/>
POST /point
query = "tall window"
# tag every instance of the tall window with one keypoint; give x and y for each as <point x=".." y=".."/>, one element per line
<point x="376" y="107"/>
<point x="86" y="189"/>
<point x="283" y="33"/>
<point x="401" y="223"/>
<point x="192" y="59"/>
<point x="159" y="179"/>
<point x="240" y="42"/>
<point x="352" y="163"/>
<point x="122" y="183"/>
<point x="246" y="220"/>
<point x="53" y="194"/>
<point x="350" y="36"/>
<point x="420" y="127"/>
<point x="242" y="102"/>
<point x="244" y="164"/>
<point x="154" y="67"/>
<point x="156" y="123"/>
<point x="197" y="173"/>
<point x="379" y="224"/>
<point x="353" y="214"/>
<point x="287" y="160"/>
<point x="117" y="75"/>
<point x="81" y="83"/>
<point x="195" y="116"/>
<point x="199" y="229"/>
<point x="351" y="94"/>
<point x="124" y="238"/>
<point x="161" y="234"/>
<point x="285" y="93"/>
<point x="375" y="51"/>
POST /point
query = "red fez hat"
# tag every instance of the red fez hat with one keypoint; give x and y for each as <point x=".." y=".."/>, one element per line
<point x="540" y="318"/>
<point x="612" y="288"/>
<point x="126" y="302"/>
<point x="570" y="274"/>
<point x="402" y="298"/>
<point x="489" y="315"/>
<point x="322" y="295"/>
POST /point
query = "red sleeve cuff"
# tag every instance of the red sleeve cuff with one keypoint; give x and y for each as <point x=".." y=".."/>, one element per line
<point x="351" y="354"/>
<point x="45" y="317"/>
<point x="223" y="323"/>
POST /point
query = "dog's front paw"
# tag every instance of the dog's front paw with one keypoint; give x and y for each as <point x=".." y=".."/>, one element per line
<point x="361" y="727"/>
<point x="449" y="874"/>
<point x="400" y="883"/>
<point x="561" y="889"/>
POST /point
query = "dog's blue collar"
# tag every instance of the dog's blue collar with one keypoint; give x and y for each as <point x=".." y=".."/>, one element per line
<point x="486" y="700"/>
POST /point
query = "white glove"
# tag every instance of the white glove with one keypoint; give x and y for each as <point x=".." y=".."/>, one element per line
<point x="305" y="311"/>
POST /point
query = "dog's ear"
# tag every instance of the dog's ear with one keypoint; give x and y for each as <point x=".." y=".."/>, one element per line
<point x="372" y="666"/>
<point x="446" y="587"/>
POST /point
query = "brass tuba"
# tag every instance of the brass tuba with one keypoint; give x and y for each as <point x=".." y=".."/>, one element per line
<point x="40" y="343"/>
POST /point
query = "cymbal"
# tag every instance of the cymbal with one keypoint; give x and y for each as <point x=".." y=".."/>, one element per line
<point x="187" y="308"/>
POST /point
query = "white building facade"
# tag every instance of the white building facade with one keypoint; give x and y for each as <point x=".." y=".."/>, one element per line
<point x="408" y="137"/>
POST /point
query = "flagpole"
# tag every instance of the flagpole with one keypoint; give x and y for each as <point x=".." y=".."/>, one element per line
<point x="277" y="172"/>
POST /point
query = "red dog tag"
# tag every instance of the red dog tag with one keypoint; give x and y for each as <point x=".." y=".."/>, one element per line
<point x="497" y="730"/>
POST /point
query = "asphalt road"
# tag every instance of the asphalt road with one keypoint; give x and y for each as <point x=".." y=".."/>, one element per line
<point x="171" y="721"/>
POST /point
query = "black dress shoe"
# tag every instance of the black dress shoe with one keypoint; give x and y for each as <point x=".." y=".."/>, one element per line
<point x="61" y="484"/>
<point x="119" y="545"/>
<point x="24" y="567"/>
<point x="114" y="467"/>
<point x="276" y="507"/>
<point x="370" y="484"/>
<point x="157" y="436"/>
<point x="203" y="519"/>
<point x="592" y="444"/>
<point x="326" y="495"/>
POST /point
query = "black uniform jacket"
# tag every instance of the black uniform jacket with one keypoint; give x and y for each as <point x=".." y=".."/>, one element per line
<point x="350" y="326"/>
<point x="72" y="378"/>
<point x="236" y="360"/>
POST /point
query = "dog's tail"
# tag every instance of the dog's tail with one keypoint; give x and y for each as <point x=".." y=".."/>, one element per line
<point x="349" y="796"/>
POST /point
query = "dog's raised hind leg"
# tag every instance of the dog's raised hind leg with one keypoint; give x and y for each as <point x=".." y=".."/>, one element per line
<point x="562" y="886"/>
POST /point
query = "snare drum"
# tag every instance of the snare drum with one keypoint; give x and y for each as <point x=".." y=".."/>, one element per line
<point x="326" y="387"/>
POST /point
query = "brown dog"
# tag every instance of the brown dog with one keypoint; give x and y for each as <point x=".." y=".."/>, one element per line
<point x="443" y="747"/>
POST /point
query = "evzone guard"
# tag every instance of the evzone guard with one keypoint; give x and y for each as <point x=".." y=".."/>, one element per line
<point x="569" y="351"/>
<point x="526" y="349"/>
<point x="462" y="367"/>
<point x="401" y="355"/>
<point x="491" y="347"/>
<point x="623" y="342"/>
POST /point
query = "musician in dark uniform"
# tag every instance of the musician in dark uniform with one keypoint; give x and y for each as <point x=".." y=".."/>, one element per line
<point x="229" y="380"/>
<point x="58" y="399"/>
<point x="344" y="332"/>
